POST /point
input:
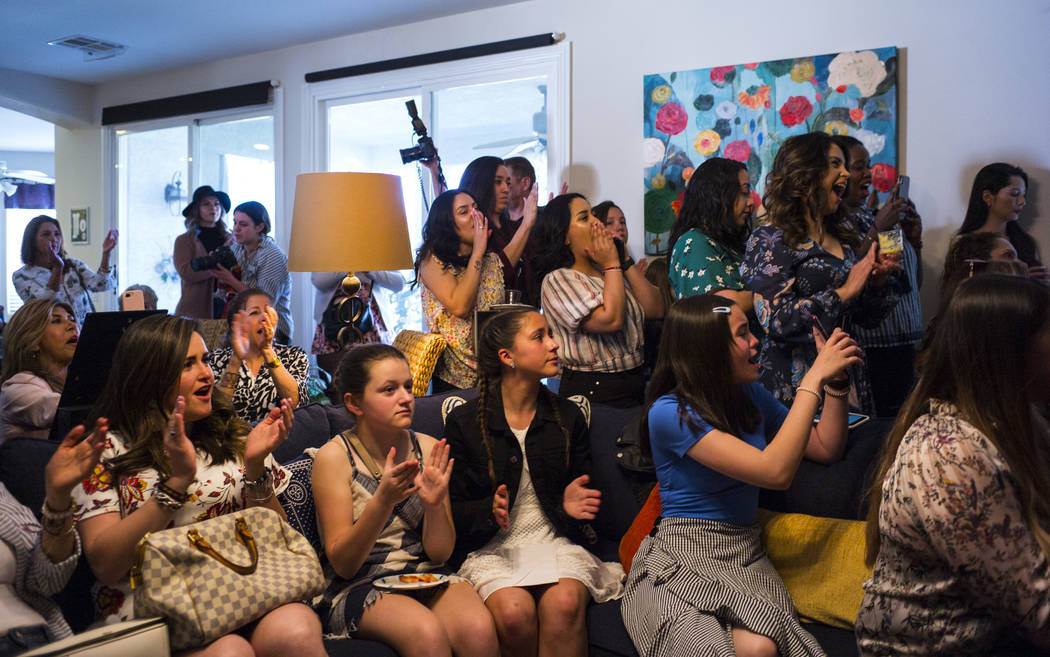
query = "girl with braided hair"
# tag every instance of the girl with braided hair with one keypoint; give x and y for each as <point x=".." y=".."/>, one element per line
<point x="520" y="497"/>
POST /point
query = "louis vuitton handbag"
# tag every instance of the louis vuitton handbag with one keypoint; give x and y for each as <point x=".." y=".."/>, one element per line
<point x="211" y="577"/>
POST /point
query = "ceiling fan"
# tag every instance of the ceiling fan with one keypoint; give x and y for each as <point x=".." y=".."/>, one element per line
<point x="537" y="141"/>
<point x="11" y="179"/>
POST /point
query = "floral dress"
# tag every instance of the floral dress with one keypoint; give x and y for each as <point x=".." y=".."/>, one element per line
<point x="795" y="285"/>
<point x="458" y="365"/>
<point x="699" y="265"/>
<point x="958" y="571"/>
<point x="216" y="491"/>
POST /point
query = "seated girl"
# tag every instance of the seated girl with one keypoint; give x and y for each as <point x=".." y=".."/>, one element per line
<point x="383" y="510"/>
<point x="596" y="303"/>
<point x="459" y="277"/>
<point x="959" y="521"/>
<point x="175" y="456"/>
<point x="702" y="584"/>
<point x="520" y="496"/>
<point x="254" y="372"/>
<point x="39" y="342"/>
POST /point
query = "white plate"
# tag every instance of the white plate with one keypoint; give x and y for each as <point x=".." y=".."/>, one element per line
<point x="394" y="583"/>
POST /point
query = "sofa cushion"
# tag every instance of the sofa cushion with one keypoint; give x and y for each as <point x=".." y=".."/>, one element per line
<point x="313" y="426"/>
<point x="298" y="499"/>
<point x="22" y="463"/>
<point x="606" y="635"/>
<point x="821" y="560"/>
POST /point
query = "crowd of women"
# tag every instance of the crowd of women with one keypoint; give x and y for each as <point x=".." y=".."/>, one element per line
<point x="769" y="335"/>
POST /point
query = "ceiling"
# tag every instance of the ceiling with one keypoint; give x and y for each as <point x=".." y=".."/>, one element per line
<point x="164" y="34"/>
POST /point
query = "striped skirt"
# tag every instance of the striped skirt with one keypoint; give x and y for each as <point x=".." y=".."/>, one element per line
<point x="696" y="579"/>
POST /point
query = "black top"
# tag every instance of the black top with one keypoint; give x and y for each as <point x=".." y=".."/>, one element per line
<point x="212" y="237"/>
<point x="471" y="491"/>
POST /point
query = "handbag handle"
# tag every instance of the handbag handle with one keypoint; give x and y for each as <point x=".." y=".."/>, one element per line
<point x="244" y="535"/>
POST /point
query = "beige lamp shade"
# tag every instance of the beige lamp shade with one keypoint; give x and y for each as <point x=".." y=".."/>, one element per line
<point x="349" y="222"/>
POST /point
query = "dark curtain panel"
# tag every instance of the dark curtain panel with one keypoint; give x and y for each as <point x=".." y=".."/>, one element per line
<point x="31" y="196"/>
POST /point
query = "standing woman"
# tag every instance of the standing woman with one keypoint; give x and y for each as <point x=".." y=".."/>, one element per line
<point x="710" y="234"/>
<point x="596" y="303"/>
<point x="39" y="346"/>
<point x="48" y="273"/>
<point x="328" y="289"/>
<point x="520" y="497"/>
<point x="458" y="277"/>
<point x="383" y="510"/>
<point x="173" y="457"/>
<point x="205" y="232"/>
<point x="255" y="373"/>
<point x="263" y="264"/>
<point x="487" y="179"/>
<point x="959" y="521"/>
<point x="802" y="269"/>
<point x="996" y="200"/>
<point x="701" y="584"/>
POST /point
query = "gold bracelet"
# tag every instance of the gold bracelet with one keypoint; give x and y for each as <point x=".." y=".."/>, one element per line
<point x="837" y="394"/>
<point x="273" y="364"/>
<point x="810" y="391"/>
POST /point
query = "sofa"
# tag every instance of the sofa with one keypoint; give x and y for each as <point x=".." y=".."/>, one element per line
<point x="834" y="491"/>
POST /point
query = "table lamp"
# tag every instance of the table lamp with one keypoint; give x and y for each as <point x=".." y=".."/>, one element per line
<point x="349" y="222"/>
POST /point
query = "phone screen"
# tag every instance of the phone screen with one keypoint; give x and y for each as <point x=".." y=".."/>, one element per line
<point x="903" y="187"/>
<point x="855" y="419"/>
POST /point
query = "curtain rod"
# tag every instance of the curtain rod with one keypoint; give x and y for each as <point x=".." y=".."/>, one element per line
<point x="494" y="48"/>
<point x="245" y="95"/>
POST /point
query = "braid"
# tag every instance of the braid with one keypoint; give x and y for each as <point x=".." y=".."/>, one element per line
<point x="561" y="425"/>
<point x="483" y="411"/>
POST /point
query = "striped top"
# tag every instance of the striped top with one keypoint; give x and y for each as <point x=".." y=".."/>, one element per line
<point x="267" y="268"/>
<point x="903" y="324"/>
<point x="568" y="298"/>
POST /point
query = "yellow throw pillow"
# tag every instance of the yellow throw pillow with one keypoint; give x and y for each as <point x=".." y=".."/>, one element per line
<point x="821" y="561"/>
<point x="422" y="351"/>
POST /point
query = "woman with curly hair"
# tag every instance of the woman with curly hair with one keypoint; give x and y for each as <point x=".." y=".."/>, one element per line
<point x="708" y="237"/>
<point x="520" y="494"/>
<point x="175" y="456"/>
<point x="802" y="267"/>
<point x="459" y="277"/>
<point x="39" y="343"/>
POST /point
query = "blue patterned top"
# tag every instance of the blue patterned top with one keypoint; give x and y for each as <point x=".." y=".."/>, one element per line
<point x="699" y="265"/>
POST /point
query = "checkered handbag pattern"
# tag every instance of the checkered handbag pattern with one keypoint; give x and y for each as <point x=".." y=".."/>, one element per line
<point x="200" y="598"/>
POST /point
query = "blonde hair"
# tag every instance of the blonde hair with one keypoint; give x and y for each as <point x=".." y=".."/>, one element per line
<point x="22" y="337"/>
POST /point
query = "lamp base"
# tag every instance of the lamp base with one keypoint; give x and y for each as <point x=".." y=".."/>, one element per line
<point x="351" y="284"/>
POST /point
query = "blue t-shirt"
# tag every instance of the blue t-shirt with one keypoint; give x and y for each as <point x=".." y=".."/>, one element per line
<point x="689" y="489"/>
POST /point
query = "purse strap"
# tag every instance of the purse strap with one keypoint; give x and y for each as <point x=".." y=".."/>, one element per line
<point x="350" y="438"/>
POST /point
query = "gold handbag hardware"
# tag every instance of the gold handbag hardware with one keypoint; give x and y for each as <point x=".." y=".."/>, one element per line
<point x="244" y="535"/>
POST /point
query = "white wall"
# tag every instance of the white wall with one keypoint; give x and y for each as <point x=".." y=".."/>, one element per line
<point x="974" y="88"/>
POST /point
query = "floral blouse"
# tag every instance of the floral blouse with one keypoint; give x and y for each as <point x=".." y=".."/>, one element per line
<point x="699" y="264"/>
<point x="217" y="490"/>
<point x="794" y="285"/>
<point x="31" y="283"/>
<point x="958" y="570"/>
<point x="254" y="396"/>
<point x="458" y="365"/>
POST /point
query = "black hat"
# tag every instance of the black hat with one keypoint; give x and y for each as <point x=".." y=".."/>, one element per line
<point x="203" y="192"/>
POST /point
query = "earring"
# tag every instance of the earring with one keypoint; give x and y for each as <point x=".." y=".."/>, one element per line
<point x="512" y="365"/>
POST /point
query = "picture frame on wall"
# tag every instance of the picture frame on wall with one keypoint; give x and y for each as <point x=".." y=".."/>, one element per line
<point x="79" y="226"/>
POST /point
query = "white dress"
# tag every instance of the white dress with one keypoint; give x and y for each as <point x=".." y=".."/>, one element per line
<point x="490" y="568"/>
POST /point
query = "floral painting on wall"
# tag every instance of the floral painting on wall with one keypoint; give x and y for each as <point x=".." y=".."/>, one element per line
<point x="744" y="112"/>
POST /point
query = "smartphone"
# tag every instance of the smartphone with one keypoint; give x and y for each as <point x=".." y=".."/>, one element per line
<point x="903" y="186"/>
<point x="855" y="420"/>
<point x="820" y="328"/>
<point x="132" y="300"/>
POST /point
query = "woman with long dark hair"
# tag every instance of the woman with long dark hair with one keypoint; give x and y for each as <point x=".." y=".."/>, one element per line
<point x="959" y="520"/>
<point x="459" y="276"/>
<point x="174" y="456"/>
<point x="595" y="304"/>
<point x="48" y="273"/>
<point x="613" y="218"/>
<point x="996" y="201"/>
<point x="802" y="267"/>
<point x="520" y="494"/>
<point x="487" y="179"/>
<point x="708" y="237"/>
<point x="702" y="584"/>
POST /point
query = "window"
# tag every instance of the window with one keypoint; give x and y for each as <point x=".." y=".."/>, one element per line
<point x="503" y="105"/>
<point x="157" y="168"/>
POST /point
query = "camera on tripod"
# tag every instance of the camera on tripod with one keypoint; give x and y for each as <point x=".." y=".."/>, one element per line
<point x="424" y="150"/>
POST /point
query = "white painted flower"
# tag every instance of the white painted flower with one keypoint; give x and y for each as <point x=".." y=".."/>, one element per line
<point x="863" y="69"/>
<point x="652" y="152"/>
<point x="873" y="141"/>
<point x="726" y="110"/>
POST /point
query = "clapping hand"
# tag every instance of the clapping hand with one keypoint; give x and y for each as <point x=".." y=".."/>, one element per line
<point x="266" y="437"/>
<point x="239" y="339"/>
<point x="581" y="502"/>
<point x="73" y="462"/>
<point x="398" y="481"/>
<point x="110" y="242"/>
<point x="178" y="449"/>
<point x="501" y="507"/>
<point x="269" y="327"/>
<point x="432" y="480"/>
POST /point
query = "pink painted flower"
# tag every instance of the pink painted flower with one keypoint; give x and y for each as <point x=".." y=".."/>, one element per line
<point x="738" y="150"/>
<point x="719" y="74"/>
<point x="856" y="115"/>
<point x="883" y="176"/>
<point x="795" y="110"/>
<point x="671" y="118"/>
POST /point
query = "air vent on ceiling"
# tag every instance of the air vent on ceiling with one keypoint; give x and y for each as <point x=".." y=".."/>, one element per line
<point x="93" y="49"/>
